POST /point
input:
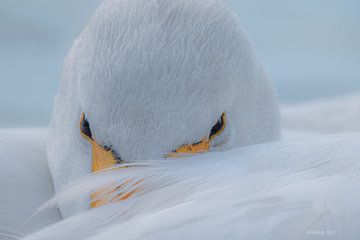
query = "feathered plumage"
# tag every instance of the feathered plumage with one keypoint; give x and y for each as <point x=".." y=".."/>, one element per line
<point x="150" y="76"/>
<point x="294" y="189"/>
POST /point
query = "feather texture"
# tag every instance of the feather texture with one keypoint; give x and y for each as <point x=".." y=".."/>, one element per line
<point x="153" y="75"/>
<point x="300" y="189"/>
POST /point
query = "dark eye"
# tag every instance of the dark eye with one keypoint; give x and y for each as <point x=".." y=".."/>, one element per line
<point x="204" y="144"/>
<point x="86" y="133"/>
<point x="218" y="127"/>
<point x="85" y="127"/>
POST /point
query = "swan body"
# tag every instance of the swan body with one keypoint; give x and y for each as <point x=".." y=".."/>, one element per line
<point x="293" y="189"/>
<point x="153" y="75"/>
<point x="145" y="79"/>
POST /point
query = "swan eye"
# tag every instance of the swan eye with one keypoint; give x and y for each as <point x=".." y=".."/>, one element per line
<point x="85" y="127"/>
<point x="204" y="144"/>
<point x="103" y="156"/>
<point x="218" y="128"/>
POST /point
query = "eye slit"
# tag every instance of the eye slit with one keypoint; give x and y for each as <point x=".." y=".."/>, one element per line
<point x="218" y="127"/>
<point x="203" y="145"/>
<point x="85" y="126"/>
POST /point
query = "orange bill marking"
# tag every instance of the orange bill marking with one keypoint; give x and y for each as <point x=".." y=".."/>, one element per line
<point x="202" y="146"/>
<point x="105" y="196"/>
<point x="102" y="159"/>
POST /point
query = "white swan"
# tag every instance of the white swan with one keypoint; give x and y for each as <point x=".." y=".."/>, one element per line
<point x="149" y="80"/>
<point x="151" y="76"/>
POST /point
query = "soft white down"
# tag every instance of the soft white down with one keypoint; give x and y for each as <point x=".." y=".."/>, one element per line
<point x="152" y="75"/>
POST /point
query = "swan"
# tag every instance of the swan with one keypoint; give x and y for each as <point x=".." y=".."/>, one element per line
<point x="166" y="126"/>
<point x="148" y="77"/>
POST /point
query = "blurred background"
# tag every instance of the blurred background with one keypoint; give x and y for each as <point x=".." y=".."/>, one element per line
<point x="311" y="49"/>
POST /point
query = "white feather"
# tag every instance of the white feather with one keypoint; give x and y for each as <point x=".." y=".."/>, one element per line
<point x="152" y="75"/>
<point x="283" y="190"/>
<point x="25" y="182"/>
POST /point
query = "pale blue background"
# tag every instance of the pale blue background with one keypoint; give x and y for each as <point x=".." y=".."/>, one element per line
<point x="311" y="49"/>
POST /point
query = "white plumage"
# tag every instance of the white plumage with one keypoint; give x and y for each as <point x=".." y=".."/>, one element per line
<point x="294" y="189"/>
<point x="153" y="75"/>
<point x="25" y="182"/>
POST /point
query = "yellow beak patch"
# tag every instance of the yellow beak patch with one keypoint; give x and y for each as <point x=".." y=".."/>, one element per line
<point x="203" y="145"/>
<point x="104" y="158"/>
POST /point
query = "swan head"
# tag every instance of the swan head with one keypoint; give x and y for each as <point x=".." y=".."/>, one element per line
<point x="150" y="79"/>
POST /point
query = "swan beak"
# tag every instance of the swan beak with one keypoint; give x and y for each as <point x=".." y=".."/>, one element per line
<point x="102" y="158"/>
<point x="202" y="146"/>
